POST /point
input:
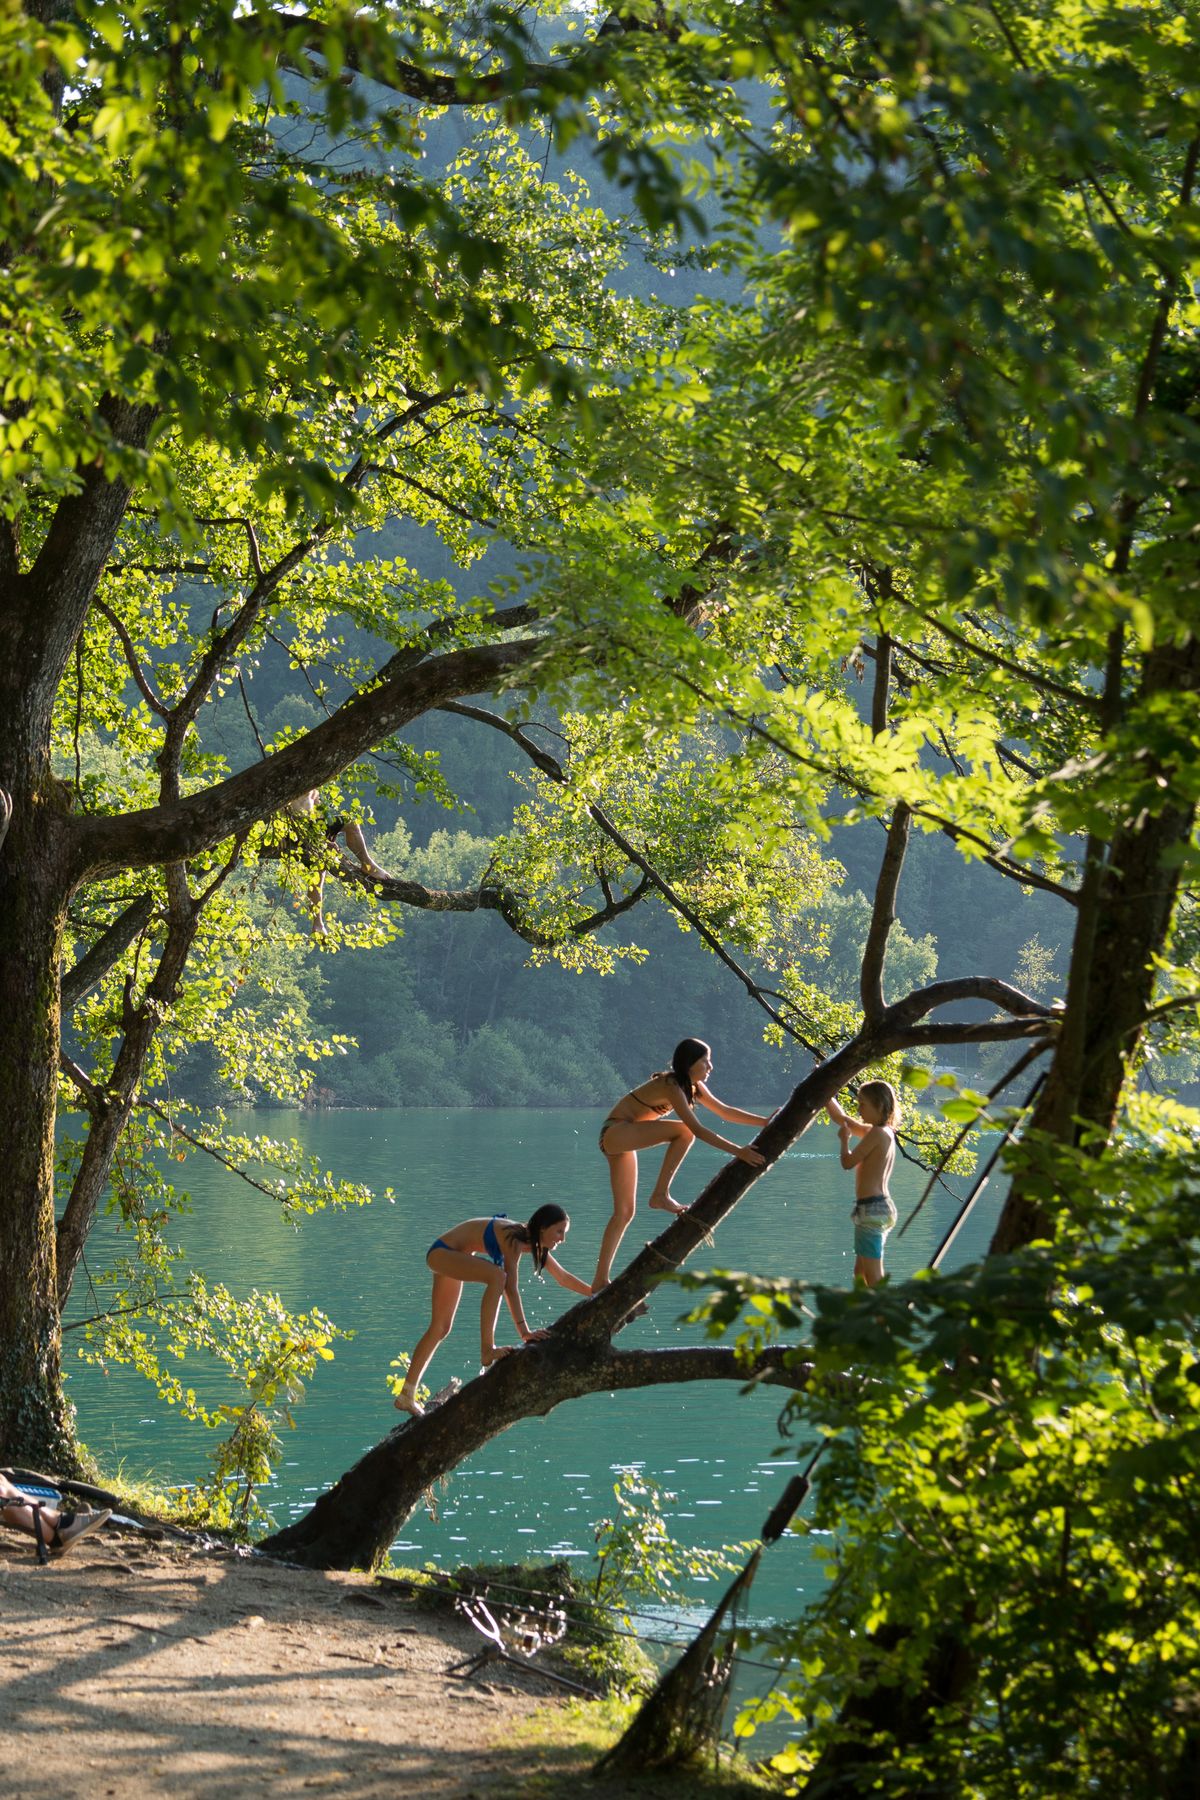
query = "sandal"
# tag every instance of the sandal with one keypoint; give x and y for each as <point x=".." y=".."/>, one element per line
<point x="74" y="1525"/>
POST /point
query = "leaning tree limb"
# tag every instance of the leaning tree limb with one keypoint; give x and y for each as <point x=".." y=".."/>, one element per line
<point x="108" y="948"/>
<point x="356" y="1521"/>
<point x="403" y="689"/>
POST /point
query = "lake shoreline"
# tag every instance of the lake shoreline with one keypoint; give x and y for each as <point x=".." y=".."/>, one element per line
<point x="135" y="1669"/>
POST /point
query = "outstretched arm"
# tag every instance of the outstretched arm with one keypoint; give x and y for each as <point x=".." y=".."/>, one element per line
<point x="735" y="1115"/>
<point x="842" y="1119"/>
<point x="512" y="1292"/>
<point x="565" y="1278"/>
<point x="744" y="1152"/>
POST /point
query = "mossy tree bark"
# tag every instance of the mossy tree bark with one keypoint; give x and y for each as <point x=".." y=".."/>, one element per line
<point x="34" y="1417"/>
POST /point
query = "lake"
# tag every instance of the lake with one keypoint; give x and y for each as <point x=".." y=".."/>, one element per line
<point x="537" y="1491"/>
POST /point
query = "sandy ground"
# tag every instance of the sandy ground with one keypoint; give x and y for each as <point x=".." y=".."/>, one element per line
<point x="133" y="1671"/>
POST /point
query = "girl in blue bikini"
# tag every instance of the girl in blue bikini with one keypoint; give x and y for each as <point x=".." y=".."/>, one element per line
<point x="486" y="1250"/>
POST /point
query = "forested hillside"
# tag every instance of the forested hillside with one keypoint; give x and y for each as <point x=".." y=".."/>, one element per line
<point x="451" y="1010"/>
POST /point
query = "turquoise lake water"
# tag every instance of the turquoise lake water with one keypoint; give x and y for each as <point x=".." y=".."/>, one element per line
<point x="537" y="1491"/>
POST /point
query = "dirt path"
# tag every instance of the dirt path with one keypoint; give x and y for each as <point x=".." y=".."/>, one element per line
<point x="136" y="1672"/>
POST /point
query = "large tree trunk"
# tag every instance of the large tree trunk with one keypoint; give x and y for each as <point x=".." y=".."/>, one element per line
<point x="35" y="1420"/>
<point x="42" y="612"/>
<point x="1122" y="929"/>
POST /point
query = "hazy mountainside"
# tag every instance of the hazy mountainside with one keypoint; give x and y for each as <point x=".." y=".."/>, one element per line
<point x="451" y="1012"/>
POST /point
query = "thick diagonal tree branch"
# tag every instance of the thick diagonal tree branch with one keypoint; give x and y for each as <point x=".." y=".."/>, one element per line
<point x="109" y="947"/>
<point x="371" y="1502"/>
<point x="405" y="688"/>
<point x="358" y="1519"/>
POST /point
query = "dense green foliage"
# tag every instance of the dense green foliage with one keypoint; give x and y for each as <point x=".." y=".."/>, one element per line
<point x="971" y="392"/>
<point x="1016" y="1454"/>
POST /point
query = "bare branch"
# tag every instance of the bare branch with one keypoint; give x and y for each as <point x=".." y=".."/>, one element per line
<point x="1043" y="683"/>
<point x="967" y="987"/>
<point x="997" y="1088"/>
<point x="484" y="898"/>
<point x="94" y="965"/>
<point x="553" y="768"/>
<point x="410" y="684"/>
<point x="883" y="910"/>
<point x="249" y="712"/>
<point x="247" y="525"/>
<point x="172" y="569"/>
<point x="831" y="772"/>
<point x="210" y="1149"/>
<point x="1169" y="1006"/>
<point x="131" y="657"/>
<point x="883" y="914"/>
<point x="421" y="487"/>
<point x="1012" y="871"/>
<point x="89" y="1093"/>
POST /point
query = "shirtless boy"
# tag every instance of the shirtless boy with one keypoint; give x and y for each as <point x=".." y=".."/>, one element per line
<point x="871" y="1159"/>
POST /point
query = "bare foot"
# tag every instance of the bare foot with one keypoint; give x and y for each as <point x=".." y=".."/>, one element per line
<point x="405" y="1403"/>
<point x="373" y="868"/>
<point x="501" y="1350"/>
<point x="665" y="1203"/>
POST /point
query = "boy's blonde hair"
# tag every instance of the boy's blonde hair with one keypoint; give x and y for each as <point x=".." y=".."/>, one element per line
<point x="885" y="1098"/>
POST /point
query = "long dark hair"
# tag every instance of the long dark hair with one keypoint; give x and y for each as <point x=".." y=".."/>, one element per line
<point x="682" y="1057"/>
<point x="540" y="1221"/>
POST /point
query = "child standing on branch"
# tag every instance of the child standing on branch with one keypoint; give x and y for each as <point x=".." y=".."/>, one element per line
<point x="639" y="1120"/>
<point x="874" y="1211"/>
<point x="486" y="1250"/>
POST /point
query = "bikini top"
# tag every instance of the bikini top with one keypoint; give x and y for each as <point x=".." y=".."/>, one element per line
<point x="657" y="1108"/>
<point x="491" y="1243"/>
